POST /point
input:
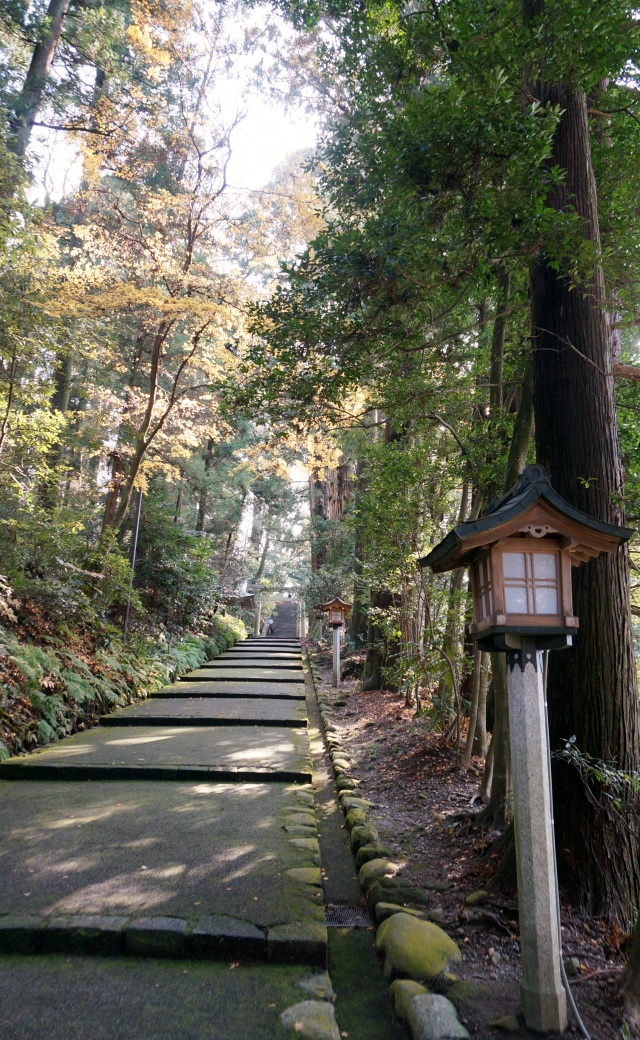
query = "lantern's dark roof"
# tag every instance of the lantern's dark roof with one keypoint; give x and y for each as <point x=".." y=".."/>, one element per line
<point x="531" y="486"/>
<point x="335" y="601"/>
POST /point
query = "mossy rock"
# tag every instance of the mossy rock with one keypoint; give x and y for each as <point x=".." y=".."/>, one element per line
<point x="362" y="836"/>
<point x="367" y="853"/>
<point x="477" y="898"/>
<point x="319" y="986"/>
<point x="306" y="875"/>
<point x="385" y="910"/>
<point x="300" y="819"/>
<point x="348" y="800"/>
<point x="415" y="949"/>
<point x="313" y="1019"/>
<point x="433" y="1017"/>
<point x="402" y="993"/>
<point x="463" y="991"/>
<point x="412" y="896"/>
<point x="347" y="783"/>
<point x="356" y="818"/>
<point x="375" y="869"/>
<point x="508" y="1024"/>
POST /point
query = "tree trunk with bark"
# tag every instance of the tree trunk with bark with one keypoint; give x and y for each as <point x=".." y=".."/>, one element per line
<point x="381" y="651"/>
<point x="32" y="93"/>
<point x="203" y="497"/>
<point x="592" y="687"/>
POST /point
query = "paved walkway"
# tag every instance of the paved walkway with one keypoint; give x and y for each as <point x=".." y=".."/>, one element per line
<point x="182" y="828"/>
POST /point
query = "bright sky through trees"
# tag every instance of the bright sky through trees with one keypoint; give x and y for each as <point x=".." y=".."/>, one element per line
<point x="266" y="133"/>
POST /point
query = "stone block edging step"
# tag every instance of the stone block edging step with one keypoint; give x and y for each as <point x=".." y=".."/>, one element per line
<point x="303" y="942"/>
<point x="180" y="720"/>
<point x="212" y="677"/>
<point x="165" y="692"/>
<point x="20" y="770"/>
<point x="242" y="662"/>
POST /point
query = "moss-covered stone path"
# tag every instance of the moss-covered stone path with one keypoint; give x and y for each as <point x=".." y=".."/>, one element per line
<point x="161" y="873"/>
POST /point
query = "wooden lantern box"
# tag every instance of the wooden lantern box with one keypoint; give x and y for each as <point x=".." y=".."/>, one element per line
<point x="337" y="611"/>
<point x="520" y="554"/>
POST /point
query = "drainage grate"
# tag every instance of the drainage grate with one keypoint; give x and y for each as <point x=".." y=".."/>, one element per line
<point x="346" y="917"/>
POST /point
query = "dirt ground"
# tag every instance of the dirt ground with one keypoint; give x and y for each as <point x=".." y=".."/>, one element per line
<point x="409" y="774"/>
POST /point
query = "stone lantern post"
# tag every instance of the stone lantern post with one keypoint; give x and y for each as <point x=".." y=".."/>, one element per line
<point x="336" y="611"/>
<point x="520" y="554"/>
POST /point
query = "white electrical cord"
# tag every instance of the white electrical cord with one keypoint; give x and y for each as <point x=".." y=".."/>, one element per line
<point x="563" y="974"/>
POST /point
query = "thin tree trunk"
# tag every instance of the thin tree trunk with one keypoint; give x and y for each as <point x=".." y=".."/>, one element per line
<point x="30" y="98"/>
<point x="49" y="491"/>
<point x="444" y="694"/>
<point x="480" y="733"/>
<point x="465" y="760"/>
<point x="358" y="614"/>
<point x="522" y="431"/>
<point x="496" y="811"/>
<point x="204" y="492"/>
<point x="497" y="342"/>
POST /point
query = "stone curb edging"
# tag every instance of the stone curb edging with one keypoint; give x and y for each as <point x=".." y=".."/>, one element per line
<point x="421" y="1010"/>
<point x="207" y="938"/>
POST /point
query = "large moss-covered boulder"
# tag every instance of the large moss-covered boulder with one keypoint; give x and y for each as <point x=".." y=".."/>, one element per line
<point x="415" y="949"/>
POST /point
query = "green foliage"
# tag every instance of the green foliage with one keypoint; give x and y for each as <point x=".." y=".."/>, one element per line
<point x="609" y="789"/>
<point x="46" y="693"/>
<point x="175" y="573"/>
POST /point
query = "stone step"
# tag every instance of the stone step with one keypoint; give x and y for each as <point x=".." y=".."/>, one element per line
<point x="201" y="686"/>
<point x="202" y="938"/>
<point x="158" y="870"/>
<point x="243" y="662"/>
<point x="171" y="753"/>
<point x="223" y="711"/>
<point x="258" y="675"/>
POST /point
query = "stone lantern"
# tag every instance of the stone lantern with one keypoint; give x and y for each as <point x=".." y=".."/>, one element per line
<point x="336" y="611"/>
<point x="520" y="554"/>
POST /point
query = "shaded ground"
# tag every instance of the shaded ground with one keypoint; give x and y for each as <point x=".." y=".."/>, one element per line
<point x="72" y="998"/>
<point x="409" y="774"/>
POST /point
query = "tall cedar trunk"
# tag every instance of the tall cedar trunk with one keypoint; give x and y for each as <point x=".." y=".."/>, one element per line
<point x="592" y="687"/>
<point x="498" y="340"/>
<point x="49" y="490"/>
<point x="30" y="97"/>
<point x="329" y="494"/>
<point x="263" y="559"/>
<point x="444" y="696"/>
<point x="381" y="651"/>
<point x="358" y="614"/>
<point x="203" y="497"/>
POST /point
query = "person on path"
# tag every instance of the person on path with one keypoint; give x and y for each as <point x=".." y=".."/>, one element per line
<point x="270" y="626"/>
